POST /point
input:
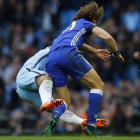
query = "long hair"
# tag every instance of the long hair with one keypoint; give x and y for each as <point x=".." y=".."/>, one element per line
<point x="90" y="12"/>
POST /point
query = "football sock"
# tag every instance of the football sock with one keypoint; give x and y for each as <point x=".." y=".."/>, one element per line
<point x="95" y="99"/>
<point x="45" y="91"/>
<point x="58" y="111"/>
<point x="70" y="117"/>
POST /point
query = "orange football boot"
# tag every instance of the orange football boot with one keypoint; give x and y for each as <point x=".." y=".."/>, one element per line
<point x="99" y="122"/>
<point x="53" y="104"/>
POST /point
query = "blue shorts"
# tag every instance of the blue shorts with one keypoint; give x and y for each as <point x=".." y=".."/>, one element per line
<point x="66" y="60"/>
<point x="26" y="86"/>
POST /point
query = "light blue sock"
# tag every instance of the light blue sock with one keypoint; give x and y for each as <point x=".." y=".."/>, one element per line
<point x="95" y="99"/>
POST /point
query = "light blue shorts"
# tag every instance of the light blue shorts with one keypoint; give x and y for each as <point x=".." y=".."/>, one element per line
<point x="26" y="86"/>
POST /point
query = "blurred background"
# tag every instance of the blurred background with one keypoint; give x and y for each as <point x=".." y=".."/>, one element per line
<point x="26" y="26"/>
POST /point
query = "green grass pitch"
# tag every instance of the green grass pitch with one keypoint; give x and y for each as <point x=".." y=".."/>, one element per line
<point x="66" y="138"/>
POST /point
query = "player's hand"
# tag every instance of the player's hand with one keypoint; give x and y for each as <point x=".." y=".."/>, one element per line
<point x="136" y="55"/>
<point x="102" y="54"/>
<point x="119" y="57"/>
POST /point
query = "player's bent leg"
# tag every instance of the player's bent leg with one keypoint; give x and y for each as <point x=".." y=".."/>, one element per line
<point x="70" y="117"/>
<point x="93" y="81"/>
<point x="45" y="85"/>
<point x="58" y="111"/>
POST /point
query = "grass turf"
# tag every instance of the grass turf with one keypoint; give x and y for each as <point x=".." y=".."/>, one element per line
<point x="66" y="138"/>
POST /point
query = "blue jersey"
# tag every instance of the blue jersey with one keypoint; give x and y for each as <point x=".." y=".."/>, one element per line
<point x="74" y="35"/>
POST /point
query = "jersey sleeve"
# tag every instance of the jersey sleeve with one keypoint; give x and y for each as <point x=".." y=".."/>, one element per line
<point x="89" y="26"/>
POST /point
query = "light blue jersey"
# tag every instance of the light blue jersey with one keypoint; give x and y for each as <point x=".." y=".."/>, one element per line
<point x="25" y="81"/>
<point x="38" y="61"/>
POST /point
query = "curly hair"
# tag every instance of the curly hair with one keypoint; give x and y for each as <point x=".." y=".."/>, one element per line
<point x="90" y="12"/>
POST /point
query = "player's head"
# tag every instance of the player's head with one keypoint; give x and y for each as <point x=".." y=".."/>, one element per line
<point x="90" y="12"/>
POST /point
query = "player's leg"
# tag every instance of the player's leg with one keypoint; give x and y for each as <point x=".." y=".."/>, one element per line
<point x="44" y="84"/>
<point x="93" y="81"/>
<point x="60" y="81"/>
<point x="36" y="80"/>
<point x="80" y="69"/>
<point x="33" y="81"/>
<point x="58" y="111"/>
<point x="63" y="93"/>
<point x="30" y="83"/>
<point x="70" y="117"/>
<point x="35" y="100"/>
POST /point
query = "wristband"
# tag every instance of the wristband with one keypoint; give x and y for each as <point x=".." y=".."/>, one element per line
<point x="116" y="53"/>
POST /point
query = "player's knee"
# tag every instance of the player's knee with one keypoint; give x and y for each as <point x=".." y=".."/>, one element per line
<point x="42" y="78"/>
<point x="45" y="77"/>
<point x="97" y="85"/>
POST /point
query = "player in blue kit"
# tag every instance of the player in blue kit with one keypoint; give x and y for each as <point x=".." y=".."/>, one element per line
<point x="64" y="59"/>
<point x="35" y="86"/>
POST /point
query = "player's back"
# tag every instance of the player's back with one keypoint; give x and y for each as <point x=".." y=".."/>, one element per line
<point x="74" y="35"/>
<point x="38" y="61"/>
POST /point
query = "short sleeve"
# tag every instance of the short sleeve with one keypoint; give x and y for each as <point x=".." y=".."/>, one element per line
<point x="89" y="26"/>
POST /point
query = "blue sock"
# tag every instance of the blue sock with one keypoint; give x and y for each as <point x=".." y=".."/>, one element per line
<point x="59" y="110"/>
<point x="94" y="106"/>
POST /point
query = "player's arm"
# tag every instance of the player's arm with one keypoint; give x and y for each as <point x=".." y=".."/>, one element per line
<point x="110" y="42"/>
<point x="100" y="53"/>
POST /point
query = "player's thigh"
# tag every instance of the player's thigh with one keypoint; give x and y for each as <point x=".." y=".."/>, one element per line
<point x="31" y="97"/>
<point x="92" y="80"/>
<point x="63" y="93"/>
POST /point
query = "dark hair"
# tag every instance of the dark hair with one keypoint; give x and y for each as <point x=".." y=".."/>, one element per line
<point x="90" y="12"/>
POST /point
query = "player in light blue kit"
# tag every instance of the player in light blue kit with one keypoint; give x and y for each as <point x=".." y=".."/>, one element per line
<point x="64" y="59"/>
<point x="35" y="86"/>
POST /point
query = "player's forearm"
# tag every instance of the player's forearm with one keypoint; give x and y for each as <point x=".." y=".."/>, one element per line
<point x="110" y="42"/>
<point x="87" y="48"/>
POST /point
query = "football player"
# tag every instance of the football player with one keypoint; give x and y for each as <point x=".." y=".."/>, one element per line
<point x="64" y="59"/>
